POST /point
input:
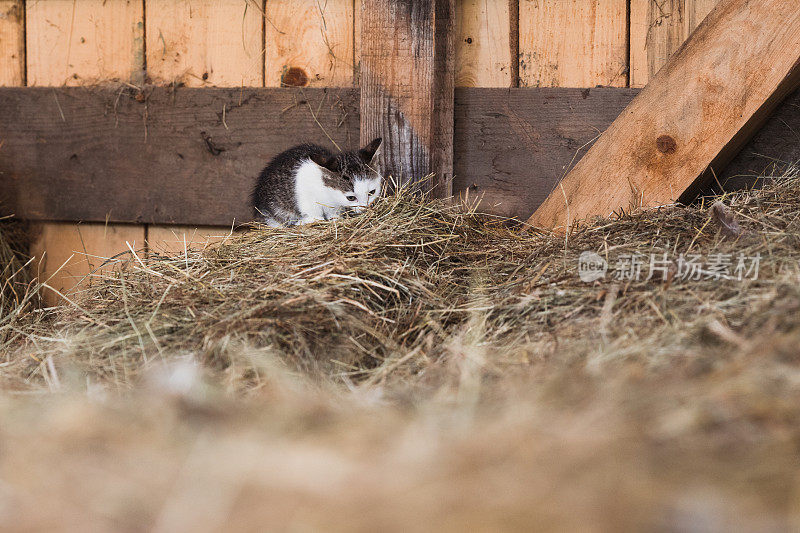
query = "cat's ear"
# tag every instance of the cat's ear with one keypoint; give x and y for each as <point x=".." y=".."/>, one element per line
<point x="325" y="162"/>
<point x="367" y="153"/>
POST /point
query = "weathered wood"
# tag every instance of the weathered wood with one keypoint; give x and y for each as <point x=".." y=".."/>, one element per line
<point x="78" y="42"/>
<point x="12" y="41"/>
<point x="203" y="43"/>
<point x="483" y="50"/>
<point x="512" y="146"/>
<point x="309" y="43"/>
<point x="187" y="156"/>
<point x="573" y="44"/>
<point x="658" y="29"/>
<point x="407" y="80"/>
<point x="770" y="151"/>
<point x="75" y="43"/>
<point x="696" y="114"/>
<point x="513" y="40"/>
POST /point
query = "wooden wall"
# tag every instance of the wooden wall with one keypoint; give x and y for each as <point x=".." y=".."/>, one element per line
<point x="316" y="43"/>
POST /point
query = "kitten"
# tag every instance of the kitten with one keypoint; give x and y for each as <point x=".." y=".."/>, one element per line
<point x="308" y="183"/>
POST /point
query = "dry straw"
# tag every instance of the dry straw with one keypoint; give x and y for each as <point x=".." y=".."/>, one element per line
<point x="419" y="364"/>
<point x="384" y="293"/>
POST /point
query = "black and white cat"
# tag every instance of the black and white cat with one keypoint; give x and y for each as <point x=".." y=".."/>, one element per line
<point x="308" y="183"/>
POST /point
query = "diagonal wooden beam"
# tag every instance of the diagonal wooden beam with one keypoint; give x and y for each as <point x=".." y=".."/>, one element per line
<point x="693" y="117"/>
<point x="407" y="81"/>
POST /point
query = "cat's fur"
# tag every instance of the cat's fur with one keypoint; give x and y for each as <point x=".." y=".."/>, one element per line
<point x="308" y="183"/>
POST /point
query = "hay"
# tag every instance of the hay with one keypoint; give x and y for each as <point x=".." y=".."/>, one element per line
<point x="422" y="364"/>
<point x="16" y="292"/>
<point x="382" y="293"/>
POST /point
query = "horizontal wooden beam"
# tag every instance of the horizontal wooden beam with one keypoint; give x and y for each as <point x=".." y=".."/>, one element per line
<point x="159" y="156"/>
<point x="175" y="157"/>
<point x="512" y="146"/>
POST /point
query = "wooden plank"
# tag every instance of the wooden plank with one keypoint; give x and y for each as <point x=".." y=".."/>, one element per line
<point x="12" y="42"/>
<point x="697" y="113"/>
<point x="205" y="42"/>
<point x="79" y="42"/>
<point x="72" y="254"/>
<point x="658" y="29"/>
<point x="483" y="50"/>
<point x="769" y="152"/>
<point x="575" y="43"/>
<point x="512" y="146"/>
<point x="188" y="156"/>
<point x="487" y="40"/>
<point x="309" y="43"/>
<point x="407" y="80"/>
<point x="76" y="42"/>
<point x="357" y="43"/>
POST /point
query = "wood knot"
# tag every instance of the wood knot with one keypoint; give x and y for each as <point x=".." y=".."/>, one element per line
<point x="294" y="77"/>
<point x="468" y="40"/>
<point x="666" y="144"/>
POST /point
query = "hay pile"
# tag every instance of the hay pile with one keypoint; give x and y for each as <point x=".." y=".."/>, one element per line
<point x="384" y="292"/>
<point x="422" y="365"/>
<point x="343" y="298"/>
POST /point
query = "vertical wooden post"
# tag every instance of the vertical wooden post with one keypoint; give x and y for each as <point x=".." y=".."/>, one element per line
<point x="407" y="79"/>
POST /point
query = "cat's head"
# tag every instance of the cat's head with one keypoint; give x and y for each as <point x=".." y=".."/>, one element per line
<point x="354" y="174"/>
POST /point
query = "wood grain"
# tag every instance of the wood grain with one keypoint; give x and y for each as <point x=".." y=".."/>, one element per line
<point x="573" y="43"/>
<point x="74" y="256"/>
<point x="658" y="29"/>
<point x="309" y="43"/>
<point x="12" y="42"/>
<point x="407" y="80"/>
<point x="775" y="147"/>
<point x="184" y="156"/>
<point x="482" y="46"/>
<point x="357" y="42"/>
<point x="205" y="42"/>
<point x="79" y="42"/>
<point x="696" y="114"/>
<point x="513" y="146"/>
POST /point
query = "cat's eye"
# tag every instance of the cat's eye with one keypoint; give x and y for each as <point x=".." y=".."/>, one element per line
<point x="372" y="192"/>
<point x="351" y="198"/>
